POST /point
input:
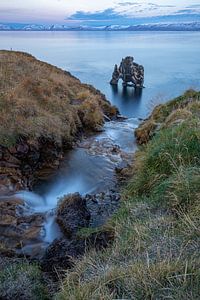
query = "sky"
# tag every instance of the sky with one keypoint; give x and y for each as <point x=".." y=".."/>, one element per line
<point x="98" y="12"/>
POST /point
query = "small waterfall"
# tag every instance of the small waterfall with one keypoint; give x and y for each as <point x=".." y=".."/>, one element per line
<point x="51" y="228"/>
<point x="33" y="202"/>
<point x="89" y="168"/>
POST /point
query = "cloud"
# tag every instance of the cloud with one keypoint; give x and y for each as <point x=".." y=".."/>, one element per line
<point x="186" y="11"/>
<point x="128" y="3"/>
<point x="107" y="14"/>
<point x="160" y="5"/>
<point x="10" y="10"/>
<point x="145" y="8"/>
<point x="142" y="4"/>
<point x="132" y="12"/>
<point x="83" y="11"/>
<point x="193" y="6"/>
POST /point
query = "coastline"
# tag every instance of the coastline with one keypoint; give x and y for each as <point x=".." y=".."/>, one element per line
<point x="147" y="232"/>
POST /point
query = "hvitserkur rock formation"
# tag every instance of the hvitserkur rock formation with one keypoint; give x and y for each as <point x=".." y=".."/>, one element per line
<point x="129" y="72"/>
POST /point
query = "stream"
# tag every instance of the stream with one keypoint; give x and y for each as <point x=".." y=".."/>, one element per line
<point x="88" y="169"/>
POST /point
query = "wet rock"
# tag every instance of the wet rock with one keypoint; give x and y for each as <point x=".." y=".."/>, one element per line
<point x="75" y="212"/>
<point x="8" y="185"/>
<point x="116" y="149"/>
<point x="104" y="147"/>
<point x="72" y="214"/>
<point x="17" y="230"/>
<point x="121" y="118"/>
<point x="22" y="149"/>
<point x="8" y="211"/>
<point x="120" y="167"/>
<point x="106" y="118"/>
<point x="60" y="255"/>
<point x="128" y="71"/>
<point x="8" y="157"/>
<point x="102" y="206"/>
<point x="115" y="75"/>
<point x="21" y="164"/>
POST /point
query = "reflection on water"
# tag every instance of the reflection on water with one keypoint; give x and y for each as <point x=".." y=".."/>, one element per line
<point x="126" y="93"/>
<point x="130" y="93"/>
<point x="129" y="97"/>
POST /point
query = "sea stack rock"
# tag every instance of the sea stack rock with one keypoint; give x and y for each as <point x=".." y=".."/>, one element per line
<point x="130" y="72"/>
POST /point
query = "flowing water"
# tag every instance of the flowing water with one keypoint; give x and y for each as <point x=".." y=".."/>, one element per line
<point x="87" y="169"/>
<point x="172" y="64"/>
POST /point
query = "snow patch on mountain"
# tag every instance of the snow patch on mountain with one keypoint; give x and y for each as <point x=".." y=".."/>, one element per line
<point x="190" y="26"/>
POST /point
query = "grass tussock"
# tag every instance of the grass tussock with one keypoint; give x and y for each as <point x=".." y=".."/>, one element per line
<point x="175" y="111"/>
<point x="38" y="100"/>
<point x="22" y="281"/>
<point x="155" y="254"/>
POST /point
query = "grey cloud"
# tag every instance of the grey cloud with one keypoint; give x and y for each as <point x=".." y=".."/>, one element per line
<point x="159" y="6"/>
<point x="128" y="4"/>
<point x="108" y="14"/>
<point x="187" y="11"/>
<point x="10" y="11"/>
<point x="193" y="6"/>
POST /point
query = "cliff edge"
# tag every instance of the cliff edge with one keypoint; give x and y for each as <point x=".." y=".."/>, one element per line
<point x="43" y="111"/>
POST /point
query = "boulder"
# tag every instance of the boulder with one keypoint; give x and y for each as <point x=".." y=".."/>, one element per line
<point x="102" y="206"/>
<point x="60" y="255"/>
<point x="72" y="214"/>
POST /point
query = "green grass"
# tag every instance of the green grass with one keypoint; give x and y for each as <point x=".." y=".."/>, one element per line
<point x="22" y="281"/>
<point x="169" y="149"/>
<point x="155" y="254"/>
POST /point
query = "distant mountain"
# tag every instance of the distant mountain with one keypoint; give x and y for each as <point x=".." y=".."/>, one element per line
<point x="192" y="26"/>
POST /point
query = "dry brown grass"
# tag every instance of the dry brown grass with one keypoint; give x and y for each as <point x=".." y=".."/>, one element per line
<point x="40" y="100"/>
<point x="173" y="111"/>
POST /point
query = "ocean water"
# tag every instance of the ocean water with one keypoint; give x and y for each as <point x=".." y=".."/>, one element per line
<point x="171" y="61"/>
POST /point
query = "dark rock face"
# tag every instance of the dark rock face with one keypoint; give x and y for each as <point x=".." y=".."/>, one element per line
<point x="27" y="160"/>
<point x="72" y="214"/>
<point x="75" y="212"/>
<point x="17" y="230"/>
<point x="61" y="254"/>
<point x="129" y="72"/>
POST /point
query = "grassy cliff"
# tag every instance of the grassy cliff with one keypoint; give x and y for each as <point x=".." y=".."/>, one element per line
<point x="44" y="110"/>
<point x="38" y="100"/>
<point x="155" y="254"/>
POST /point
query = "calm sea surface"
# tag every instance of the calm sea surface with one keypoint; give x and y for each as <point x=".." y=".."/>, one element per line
<point x="171" y="61"/>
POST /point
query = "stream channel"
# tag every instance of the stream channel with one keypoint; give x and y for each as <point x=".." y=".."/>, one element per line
<point x="89" y="168"/>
